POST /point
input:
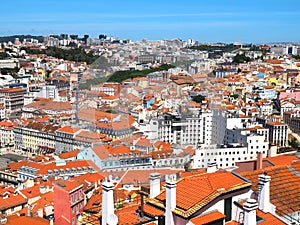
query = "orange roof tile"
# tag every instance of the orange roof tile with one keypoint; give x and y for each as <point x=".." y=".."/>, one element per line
<point x="188" y="197"/>
<point x="208" y="218"/>
<point x="284" y="186"/>
<point x="67" y="155"/>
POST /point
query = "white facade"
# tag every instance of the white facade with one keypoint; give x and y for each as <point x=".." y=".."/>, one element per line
<point x="225" y="156"/>
<point x="193" y="129"/>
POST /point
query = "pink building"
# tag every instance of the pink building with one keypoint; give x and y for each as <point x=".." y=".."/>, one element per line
<point x="68" y="202"/>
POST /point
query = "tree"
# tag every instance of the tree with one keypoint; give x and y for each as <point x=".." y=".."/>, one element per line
<point x="198" y="98"/>
<point x="294" y="143"/>
<point x="235" y="96"/>
<point x="241" y="58"/>
<point x="187" y="166"/>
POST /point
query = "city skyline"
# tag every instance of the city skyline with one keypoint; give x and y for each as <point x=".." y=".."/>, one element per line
<point x="258" y="22"/>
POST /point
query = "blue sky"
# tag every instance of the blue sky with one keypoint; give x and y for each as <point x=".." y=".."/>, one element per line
<point x="256" y="21"/>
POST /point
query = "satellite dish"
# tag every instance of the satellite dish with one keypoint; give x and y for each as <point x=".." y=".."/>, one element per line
<point x="112" y="219"/>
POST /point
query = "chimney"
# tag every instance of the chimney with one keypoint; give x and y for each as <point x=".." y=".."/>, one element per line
<point x="107" y="201"/>
<point x="264" y="192"/>
<point x="154" y="184"/>
<point x="211" y="167"/>
<point x="28" y="211"/>
<point x="51" y="221"/>
<point x="250" y="212"/>
<point x="170" y="201"/>
<point x="259" y="161"/>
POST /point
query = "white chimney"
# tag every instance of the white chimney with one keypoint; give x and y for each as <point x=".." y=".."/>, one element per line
<point x="264" y="192"/>
<point x="107" y="201"/>
<point x="211" y="167"/>
<point x="170" y="202"/>
<point x="250" y="212"/>
<point x="154" y="184"/>
<point x="51" y="221"/>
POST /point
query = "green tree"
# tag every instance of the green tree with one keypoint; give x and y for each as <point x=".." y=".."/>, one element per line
<point x="235" y="96"/>
<point x="241" y="58"/>
<point x="198" y="98"/>
<point x="294" y="143"/>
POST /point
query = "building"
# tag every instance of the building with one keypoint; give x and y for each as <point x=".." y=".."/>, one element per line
<point x="225" y="156"/>
<point x="59" y="168"/>
<point x="35" y="137"/>
<point x="47" y="107"/>
<point x="278" y="133"/>
<point x="14" y="100"/>
<point x="292" y="119"/>
<point x="108" y="88"/>
<point x="68" y="202"/>
<point x="186" y="129"/>
<point x="7" y="138"/>
<point x="11" y="201"/>
<point x="119" y="157"/>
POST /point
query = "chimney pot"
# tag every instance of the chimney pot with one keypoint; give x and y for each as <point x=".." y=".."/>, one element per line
<point x="211" y="167"/>
<point x="154" y="184"/>
<point x="259" y="161"/>
<point x="107" y="201"/>
<point x="170" y="201"/>
<point x="264" y="195"/>
<point x="250" y="212"/>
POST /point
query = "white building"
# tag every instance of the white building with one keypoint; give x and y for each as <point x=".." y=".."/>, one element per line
<point x="278" y="133"/>
<point x="223" y="156"/>
<point x="186" y="129"/>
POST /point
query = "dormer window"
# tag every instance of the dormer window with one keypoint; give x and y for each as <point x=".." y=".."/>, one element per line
<point x="109" y="155"/>
<point x="91" y="168"/>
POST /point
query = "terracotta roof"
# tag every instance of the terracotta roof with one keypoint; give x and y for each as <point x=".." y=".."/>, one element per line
<point x="69" y="185"/>
<point x="275" y="123"/>
<point x="11" y="90"/>
<point x="189" y="198"/>
<point x="44" y="167"/>
<point x="68" y="129"/>
<point x="24" y="220"/>
<point x="67" y="155"/>
<point x="284" y="186"/>
<point x="11" y="201"/>
<point x="208" y="218"/>
<point x="50" y="105"/>
<point x="282" y="160"/>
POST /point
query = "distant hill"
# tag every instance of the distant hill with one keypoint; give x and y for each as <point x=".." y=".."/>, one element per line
<point x="21" y="38"/>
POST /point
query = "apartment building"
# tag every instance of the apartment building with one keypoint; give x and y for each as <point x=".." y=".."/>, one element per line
<point x="35" y="137"/>
<point x="278" y="133"/>
<point x="186" y="129"/>
<point x="109" y="158"/>
<point x="59" y="168"/>
<point x="225" y="156"/>
<point x="14" y="100"/>
<point x="68" y="201"/>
